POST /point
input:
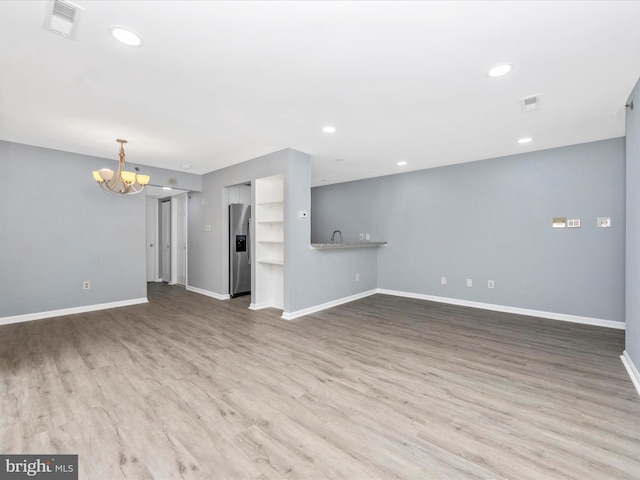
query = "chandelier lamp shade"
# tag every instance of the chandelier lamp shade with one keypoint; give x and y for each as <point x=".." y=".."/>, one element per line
<point x="121" y="181"/>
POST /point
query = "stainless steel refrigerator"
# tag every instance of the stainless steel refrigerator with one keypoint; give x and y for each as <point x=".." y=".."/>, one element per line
<point x="239" y="249"/>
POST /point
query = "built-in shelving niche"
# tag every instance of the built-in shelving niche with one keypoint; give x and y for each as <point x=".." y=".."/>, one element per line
<point x="269" y="238"/>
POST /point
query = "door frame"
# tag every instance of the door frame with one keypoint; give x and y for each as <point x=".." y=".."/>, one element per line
<point x="155" y="223"/>
<point x="153" y="240"/>
<point x="163" y="240"/>
<point x="176" y="258"/>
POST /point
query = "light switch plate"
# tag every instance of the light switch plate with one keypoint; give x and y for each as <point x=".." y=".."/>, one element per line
<point x="573" y="223"/>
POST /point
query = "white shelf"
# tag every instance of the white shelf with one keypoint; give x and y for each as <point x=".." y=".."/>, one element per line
<point x="270" y="213"/>
<point x="269" y="238"/>
<point x="271" y="261"/>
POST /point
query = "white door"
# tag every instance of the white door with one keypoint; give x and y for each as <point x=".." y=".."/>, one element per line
<point x="152" y="239"/>
<point x="166" y="241"/>
<point x="181" y="238"/>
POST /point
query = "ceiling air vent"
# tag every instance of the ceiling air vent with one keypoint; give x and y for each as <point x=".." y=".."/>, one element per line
<point x="63" y="18"/>
<point x="530" y="103"/>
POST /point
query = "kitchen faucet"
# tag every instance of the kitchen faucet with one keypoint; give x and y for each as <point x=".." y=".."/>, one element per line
<point x="333" y="236"/>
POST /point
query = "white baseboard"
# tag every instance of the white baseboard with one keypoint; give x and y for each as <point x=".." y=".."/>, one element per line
<point x="260" y="306"/>
<point x="631" y="370"/>
<point x="217" y="296"/>
<point x="502" y="308"/>
<point x="71" y="311"/>
<point x="324" y="306"/>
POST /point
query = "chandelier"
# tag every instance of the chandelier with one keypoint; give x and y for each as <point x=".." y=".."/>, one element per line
<point x="121" y="181"/>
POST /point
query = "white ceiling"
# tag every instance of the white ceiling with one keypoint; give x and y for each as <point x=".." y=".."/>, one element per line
<point x="217" y="83"/>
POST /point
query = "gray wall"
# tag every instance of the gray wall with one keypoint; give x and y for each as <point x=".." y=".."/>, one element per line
<point x="60" y="229"/>
<point x="482" y="220"/>
<point x="209" y="250"/>
<point x="632" y="346"/>
<point x="166" y="178"/>
<point x="311" y="277"/>
<point x="491" y="220"/>
<point x="314" y="277"/>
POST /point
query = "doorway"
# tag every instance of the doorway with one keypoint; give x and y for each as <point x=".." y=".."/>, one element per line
<point x="165" y="242"/>
<point x="152" y="240"/>
<point x="167" y="236"/>
<point x="179" y="239"/>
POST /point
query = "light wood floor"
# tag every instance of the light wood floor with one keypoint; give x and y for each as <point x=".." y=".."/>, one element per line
<point x="188" y="387"/>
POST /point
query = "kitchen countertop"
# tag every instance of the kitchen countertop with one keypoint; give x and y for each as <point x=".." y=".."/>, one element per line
<point x="334" y="245"/>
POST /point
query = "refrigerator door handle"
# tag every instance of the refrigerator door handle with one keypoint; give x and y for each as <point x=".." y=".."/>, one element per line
<point x="249" y="240"/>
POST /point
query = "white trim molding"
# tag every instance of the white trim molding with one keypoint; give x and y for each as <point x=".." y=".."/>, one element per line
<point x="217" y="296"/>
<point x="506" y="309"/>
<point x="631" y="370"/>
<point x="324" y="306"/>
<point x="71" y="311"/>
<point x="260" y="306"/>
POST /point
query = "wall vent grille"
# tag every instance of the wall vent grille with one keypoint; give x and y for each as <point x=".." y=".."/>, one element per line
<point x="63" y="18"/>
<point x="530" y="103"/>
<point x="64" y="11"/>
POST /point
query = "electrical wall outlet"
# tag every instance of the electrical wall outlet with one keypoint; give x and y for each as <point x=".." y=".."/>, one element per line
<point x="604" y="222"/>
<point x="362" y="236"/>
<point x="490" y="284"/>
<point x="443" y="280"/>
<point x="86" y="285"/>
<point x="469" y="282"/>
<point x="357" y="277"/>
<point x="367" y="237"/>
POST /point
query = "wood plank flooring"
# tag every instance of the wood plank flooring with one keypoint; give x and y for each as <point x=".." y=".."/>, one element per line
<point x="188" y="387"/>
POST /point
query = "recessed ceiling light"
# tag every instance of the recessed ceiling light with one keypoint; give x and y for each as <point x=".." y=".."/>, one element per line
<point x="500" y="70"/>
<point x="126" y="35"/>
<point x="329" y="129"/>
<point x="167" y="188"/>
<point x="525" y="140"/>
<point x="401" y="163"/>
<point x="186" y="166"/>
